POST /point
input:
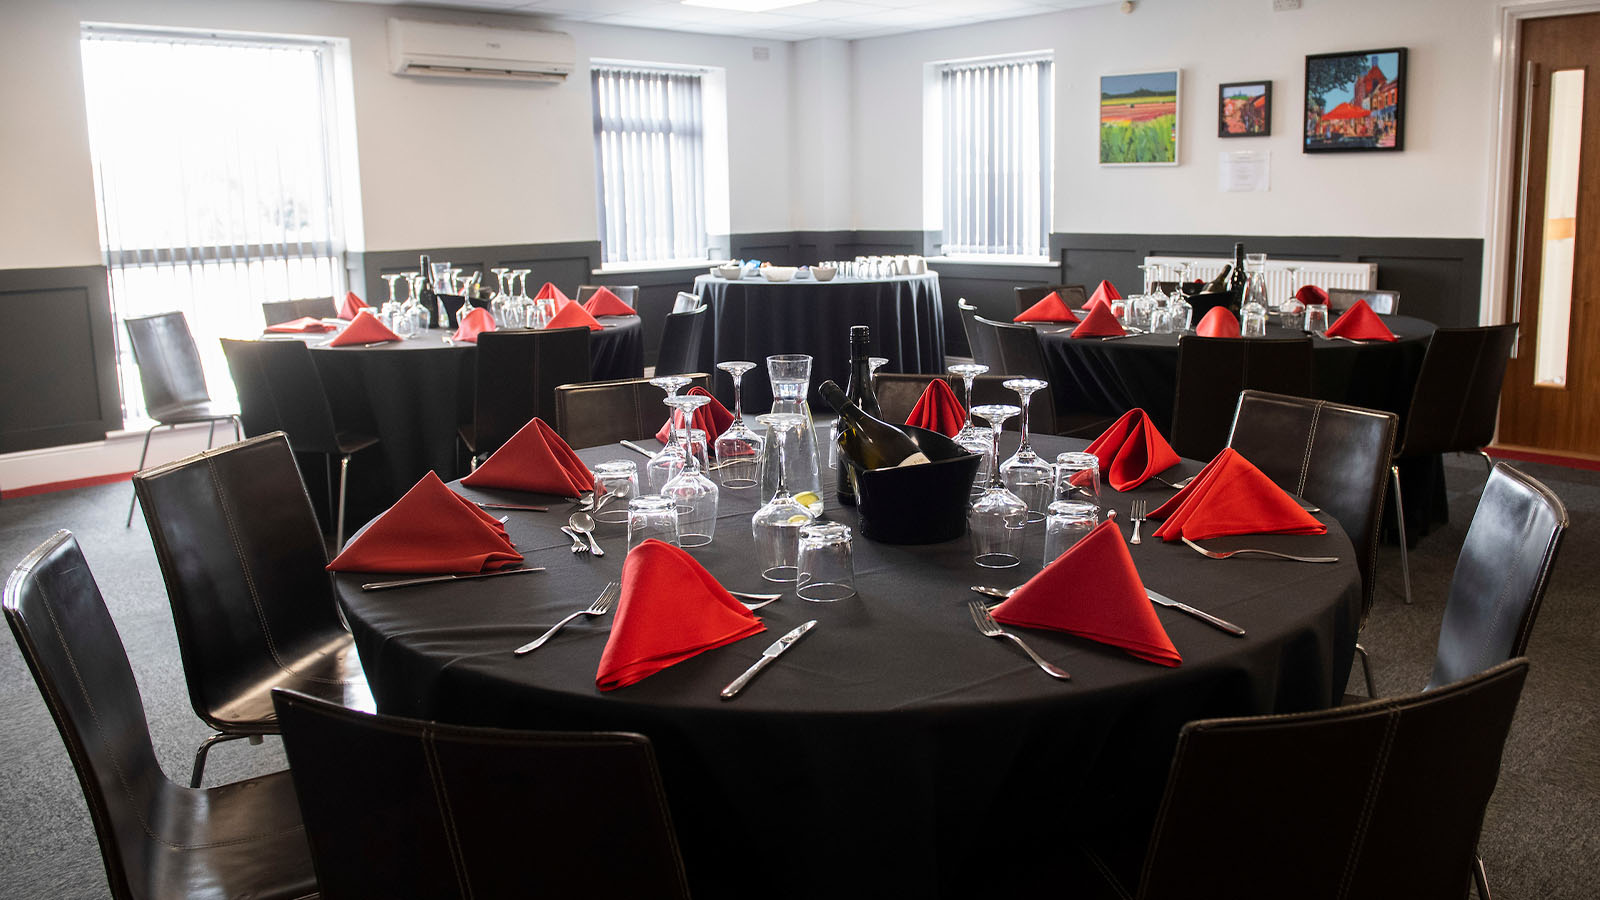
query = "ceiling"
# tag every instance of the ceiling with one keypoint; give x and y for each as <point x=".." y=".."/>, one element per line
<point x="841" y="19"/>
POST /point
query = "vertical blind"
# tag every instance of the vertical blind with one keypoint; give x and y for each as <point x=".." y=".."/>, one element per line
<point x="648" y="139"/>
<point x="998" y="141"/>
<point x="214" y="180"/>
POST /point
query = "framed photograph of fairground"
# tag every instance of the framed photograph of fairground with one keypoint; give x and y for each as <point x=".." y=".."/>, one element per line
<point x="1244" y="109"/>
<point x="1355" y="101"/>
<point x="1139" y="119"/>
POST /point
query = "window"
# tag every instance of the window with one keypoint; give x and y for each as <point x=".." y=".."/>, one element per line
<point x="649" y="148"/>
<point x="215" y="181"/>
<point x="997" y="153"/>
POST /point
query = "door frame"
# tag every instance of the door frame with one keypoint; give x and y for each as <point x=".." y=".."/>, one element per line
<point x="1498" y="255"/>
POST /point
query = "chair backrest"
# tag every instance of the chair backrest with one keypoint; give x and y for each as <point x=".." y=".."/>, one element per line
<point x="1457" y="396"/>
<point x="280" y="390"/>
<point x="1379" y="799"/>
<point x="604" y="412"/>
<point x="975" y="348"/>
<point x="681" y="340"/>
<point x="685" y="302"/>
<point x="169" y="365"/>
<point x="1073" y="295"/>
<point x="1500" y="576"/>
<point x="72" y="648"/>
<point x="1386" y="303"/>
<point x="898" y="393"/>
<point x="276" y="311"/>
<point x="627" y="293"/>
<point x="244" y="564"/>
<point x="1334" y="455"/>
<point x="517" y="376"/>
<point x="453" y="811"/>
<point x="1212" y="372"/>
<point x="1017" y="349"/>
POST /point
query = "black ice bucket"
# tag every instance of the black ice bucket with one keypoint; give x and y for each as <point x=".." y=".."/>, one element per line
<point x="922" y="504"/>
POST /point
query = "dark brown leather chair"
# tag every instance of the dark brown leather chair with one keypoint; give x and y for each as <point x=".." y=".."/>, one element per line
<point x="172" y="380"/>
<point x="1386" y="303"/>
<point x="1017" y="353"/>
<point x="1212" y="372"/>
<point x="245" y="569"/>
<point x="1335" y="456"/>
<point x="156" y="839"/>
<point x="279" y="311"/>
<point x="1073" y="295"/>
<point x="681" y="340"/>
<point x="280" y="390"/>
<point x="627" y="293"/>
<point x="1381" y="799"/>
<point x="604" y="412"/>
<point x="1454" y="405"/>
<point x="453" y="811"/>
<point x="898" y="393"/>
<point x="980" y="354"/>
<point x="517" y="376"/>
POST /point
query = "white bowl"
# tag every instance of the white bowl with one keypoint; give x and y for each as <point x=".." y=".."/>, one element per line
<point x="778" y="273"/>
<point x="729" y="272"/>
<point x="823" y="273"/>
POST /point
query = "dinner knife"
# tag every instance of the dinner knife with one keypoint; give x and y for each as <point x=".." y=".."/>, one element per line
<point x="767" y="656"/>
<point x="1202" y="615"/>
<point x="406" y="582"/>
<point x="632" y="446"/>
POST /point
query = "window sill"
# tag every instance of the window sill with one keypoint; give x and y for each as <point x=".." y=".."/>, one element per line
<point x="1041" y="261"/>
<point x="665" y="265"/>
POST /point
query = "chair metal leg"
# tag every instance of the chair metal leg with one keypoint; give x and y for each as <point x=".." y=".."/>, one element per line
<point x="1366" y="669"/>
<point x="344" y="472"/>
<point x="211" y="433"/>
<point x="1487" y="461"/>
<point x="142" y="454"/>
<point x="238" y="429"/>
<point x="1480" y="877"/>
<point x="1400" y="529"/>
<point x="205" y="748"/>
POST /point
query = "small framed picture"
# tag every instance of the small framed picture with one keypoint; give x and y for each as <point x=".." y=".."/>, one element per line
<point x="1244" y="109"/>
<point x="1355" y="101"/>
<point x="1139" y="119"/>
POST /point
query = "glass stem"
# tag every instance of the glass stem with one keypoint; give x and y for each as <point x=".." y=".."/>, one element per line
<point x="1024" y="448"/>
<point x="783" y="481"/>
<point x="994" y="468"/>
<point x="738" y="402"/>
<point x="690" y="464"/>
<point x="969" y="379"/>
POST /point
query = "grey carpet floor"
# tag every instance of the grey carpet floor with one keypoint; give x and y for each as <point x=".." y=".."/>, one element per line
<point x="1540" y="839"/>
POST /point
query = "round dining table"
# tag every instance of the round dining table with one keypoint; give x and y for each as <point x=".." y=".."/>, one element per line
<point x="752" y="319"/>
<point x="895" y="750"/>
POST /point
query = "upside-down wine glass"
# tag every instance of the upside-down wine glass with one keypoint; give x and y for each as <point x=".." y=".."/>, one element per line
<point x="497" y="303"/>
<point x="970" y="437"/>
<point x="694" y="493"/>
<point x="997" y="517"/>
<point x="527" y="315"/>
<point x="668" y="461"/>
<point x="776" y="525"/>
<point x="1026" y="475"/>
<point x="391" y="278"/>
<point x="738" y="448"/>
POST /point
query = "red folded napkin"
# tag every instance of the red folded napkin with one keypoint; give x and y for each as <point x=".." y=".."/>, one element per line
<point x="938" y="410"/>
<point x="1093" y="591"/>
<point x="1100" y="322"/>
<point x="605" y="303"/>
<point x="351" y="305"/>
<point x="671" y="609"/>
<point x="1050" y="309"/>
<point x="1219" y="322"/>
<point x="473" y="324"/>
<point x="713" y="418"/>
<point x="302" y="325"/>
<point x="1105" y="292"/>
<point x="1360" y="323"/>
<point x="571" y="315"/>
<point x="534" y="459"/>
<point x="1232" y="496"/>
<point x="364" y="329"/>
<point x="430" y="529"/>
<point x="1132" y="450"/>
<point x="1310" y="294"/>
<point x="551" y="292"/>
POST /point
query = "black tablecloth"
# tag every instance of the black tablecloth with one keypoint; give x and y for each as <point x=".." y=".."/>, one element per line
<point x="753" y="318"/>
<point x="880" y="754"/>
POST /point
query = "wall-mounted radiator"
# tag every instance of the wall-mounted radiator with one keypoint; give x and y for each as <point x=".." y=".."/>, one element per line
<point x="1280" y="281"/>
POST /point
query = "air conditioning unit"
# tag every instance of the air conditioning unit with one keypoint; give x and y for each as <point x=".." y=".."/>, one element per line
<point x="469" y="51"/>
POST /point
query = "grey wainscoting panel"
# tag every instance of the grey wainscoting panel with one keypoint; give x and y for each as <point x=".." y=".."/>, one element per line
<point x="989" y="287"/>
<point x="61" y="389"/>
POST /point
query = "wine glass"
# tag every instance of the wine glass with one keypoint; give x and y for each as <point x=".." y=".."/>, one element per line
<point x="998" y="516"/>
<point x="391" y="278"/>
<point x="694" y="493"/>
<point x="527" y="310"/>
<point x="776" y="525"/>
<point x="1290" y="308"/>
<point x="668" y="461"/>
<point x="874" y="363"/>
<point x="970" y="437"/>
<point x="497" y="304"/>
<point x="738" y="448"/>
<point x="1027" y="475"/>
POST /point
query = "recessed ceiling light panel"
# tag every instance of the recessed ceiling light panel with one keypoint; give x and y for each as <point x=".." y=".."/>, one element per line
<point x="747" y="5"/>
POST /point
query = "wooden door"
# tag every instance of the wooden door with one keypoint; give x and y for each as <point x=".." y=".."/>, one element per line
<point x="1551" y="399"/>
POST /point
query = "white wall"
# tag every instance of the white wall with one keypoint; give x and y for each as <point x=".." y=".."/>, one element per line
<point x="1436" y="187"/>
<point x="823" y="136"/>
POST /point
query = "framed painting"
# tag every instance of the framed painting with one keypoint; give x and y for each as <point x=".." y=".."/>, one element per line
<point x="1244" y="109"/>
<point x="1355" y="101"/>
<point x="1139" y="119"/>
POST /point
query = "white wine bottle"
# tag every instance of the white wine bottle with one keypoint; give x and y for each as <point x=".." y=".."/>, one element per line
<point x="867" y="440"/>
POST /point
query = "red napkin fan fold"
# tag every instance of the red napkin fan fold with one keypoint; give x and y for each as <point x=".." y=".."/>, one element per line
<point x="351" y="305"/>
<point x="938" y="410"/>
<point x="302" y="325"/>
<point x="1310" y="294"/>
<point x="550" y="292"/>
<point x="605" y="303"/>
<point x="364" y="329"/>
<point x="1232" y="496"/>
<point x="571" y="315"/>
<point x="713" y="418"/>
<point x="1098" y="323"/>
<point x="1093" y="591"/>
<point x="537" y="460"/>
<point x="1132" y="450"/>
<point x="1050" y="309"/>
<point x="1104" y="292"/>
<point x="1360" y="323"/>
<point x="473" y="324"/>
<point x="1218" y="323"/>
<point x="430" y="529"/>
<point x="670" y="609"/>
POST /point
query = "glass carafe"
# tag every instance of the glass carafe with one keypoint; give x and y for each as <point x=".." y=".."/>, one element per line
<point x="790" y="375"/>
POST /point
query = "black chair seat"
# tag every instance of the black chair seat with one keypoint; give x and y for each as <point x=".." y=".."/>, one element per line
<point x="351" y="442"/>
<point x="330" y="672"/>
<point x="232" y="841"/>
<point x="206" y="411"/>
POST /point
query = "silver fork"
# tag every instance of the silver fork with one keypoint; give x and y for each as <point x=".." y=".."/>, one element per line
<point x="600" y="606"/>
<point x="991" y="628"/>
<point x="579" y="545"/>
<point x="1136" y="514"/>
<point x="1175" y="485"/>
<point x="1224" y="554"/>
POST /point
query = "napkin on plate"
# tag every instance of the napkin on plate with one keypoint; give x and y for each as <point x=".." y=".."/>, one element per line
<point x="473" y="324"/>
<point x="1232" y="496"/>
<point x="1098" y="323"/>
<point x="1132" y="450"/>
<point x="1360" y="323"/>
<point x="534" y="459"/>
<point x="1218" y="323"/>
<point x="1105" y="292"/>
<point x="571" y="315"/>
<point x="302" y="325"/>
<point x="605" y="303"/>
<point x="551" y="292"/>
<point x="364" y="329"/>
<point x="352" y="305"/>
<point x="1050" y="309"/>
<point x="713" y="418"/>
<point x="431" y="529"/>
<point x="1093" y="591"/>
<point x="938" y="410"/>
<point x="671" y="609"/>
<point x="1309" y="294"/>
